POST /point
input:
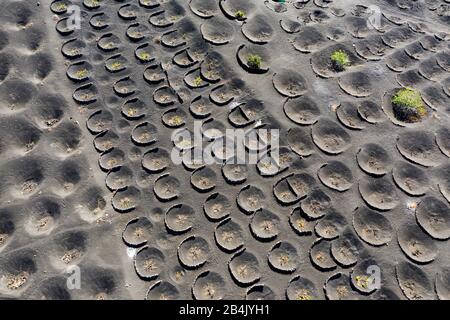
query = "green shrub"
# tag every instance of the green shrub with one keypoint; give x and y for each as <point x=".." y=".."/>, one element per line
<point x="340" y="60"/>
<point x="145" y="56"/>
<point x="254" y="61"/>
<point x="240" y="14"/>
<point x="61" y="6"/>
<point x="198" y="81"/>
<point x="408" y="105"/>
<point x="80" y="74"/>
<point x="116" y="65"/>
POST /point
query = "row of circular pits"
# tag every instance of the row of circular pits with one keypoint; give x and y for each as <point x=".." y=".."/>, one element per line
<point x="231" y="9"/>
<point x="30" y="172"/>
<point x="135" y="31"/>
<point x="430" y="206"/>
<point x="419" y="8"/>
<point x="435" y="96"/>
<point x="133" y="16"/>
<point x="348" y="84"/>
<point x="371" y="158"/>
<point x="127" y="11"/>
<point x="30" y="175"/>
<point x="38" y="66"/>
<point x="19" y="268"/>
<point x="358" y="84"/>
<point x="244" y="268"/>
<point x="97" y="283"/>
<point x="123" y="87"/>
<point x="286" y="83"/>
<point x="433" y="68"/>
<point x="374" y="49"/>
<point x="211" y="285"/>
<point x="156" y="159"/>
<point x="23" y="135"/>
<point x="193" y="252"/>
<point x="419" y="147"/>
<point x="263" y="224"/>
<point x="164" y="95"/>
<point x="166" y="187"/>
<point x="370" y="226"/>
<point x="327" y="135"/>
<point x="218" y="31"/>
<point x="359" y="22"/>
<point x="305" y="111"/>
<point x="152" y="79"/>
<point x="341" y="286"/>
<point x="43" y="212"/>
<point x="18" y="16"/>
<point x="416" y="146"/>
<point x="40" y="215"/>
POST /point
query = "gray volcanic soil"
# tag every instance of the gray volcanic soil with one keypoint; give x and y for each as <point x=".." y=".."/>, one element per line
<point x="55" y="208"/>
<point x="86" y="122"/>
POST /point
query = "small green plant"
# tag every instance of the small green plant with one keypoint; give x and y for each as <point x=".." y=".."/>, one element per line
<point x="3" y="238"/>
<point x="240" y="14"/>
<point x="126" y="203"/>
<point x="94" y="3"/>
<point x="408" y="97"/>
<point x="304" y="294"/>
<point x="340" y="60"/>
<point x="254" y="61"/>
<point x="408" y="105"/>
<point x="362" y="281"/>
<point x="109" y="45"/>
<point x="175" y="121"/>
<point x="14" y="282"/>
<point x="80" y="74"/>
<point x="145" y="56"/>
<point x="116" y="66"/>
<point x="198" y="81"/>
<point x="60" y="6"/>
<point x="75" y="51"/>
<point x="131" y="112"/>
